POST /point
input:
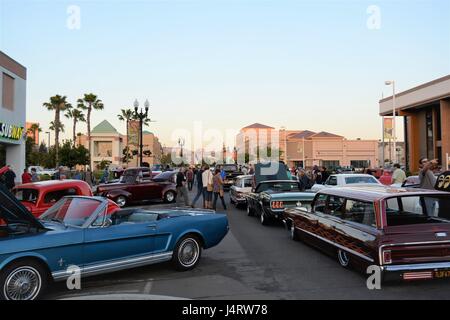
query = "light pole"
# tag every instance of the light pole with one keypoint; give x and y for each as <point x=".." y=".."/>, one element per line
<point x="141" y="116"/>
<point x="394" y="135"/>
<point x="48" y="146"/>
<point x="181" y="143"/>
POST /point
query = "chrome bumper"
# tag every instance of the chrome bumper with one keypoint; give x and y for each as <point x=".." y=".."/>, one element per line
<point x="417" y="267"/>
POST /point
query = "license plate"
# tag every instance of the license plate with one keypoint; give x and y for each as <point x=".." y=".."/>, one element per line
<point x="442" y="274"/>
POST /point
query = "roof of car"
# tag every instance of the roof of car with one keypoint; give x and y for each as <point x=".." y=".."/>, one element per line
<point x="345" y="175"/>
<point x="51" y="183"/>
<point x="374" y="193"/>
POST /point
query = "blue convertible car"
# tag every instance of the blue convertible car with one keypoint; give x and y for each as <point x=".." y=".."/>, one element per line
<point x="92" y="235"/>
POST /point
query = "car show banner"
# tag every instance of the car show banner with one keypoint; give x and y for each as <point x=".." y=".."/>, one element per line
<point x="388" y="128"/>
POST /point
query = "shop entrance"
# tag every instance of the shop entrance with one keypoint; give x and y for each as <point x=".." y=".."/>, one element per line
<point x="2" y="155"/>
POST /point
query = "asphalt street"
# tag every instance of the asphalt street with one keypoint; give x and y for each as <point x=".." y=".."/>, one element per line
<point x="252" y="262"/>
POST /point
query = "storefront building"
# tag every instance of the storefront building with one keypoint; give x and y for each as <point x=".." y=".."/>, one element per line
<point x="426" y="114"/>
<point x="304" y="148"/>
<point x="12" y="113"/>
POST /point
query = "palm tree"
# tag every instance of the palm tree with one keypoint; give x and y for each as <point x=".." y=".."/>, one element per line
<point x="90" y="102"/>
<point x="35" y="127"/>
<point x="57" y="104"/>
<point x="77" y="116"/>
<point x="126" y="115"/>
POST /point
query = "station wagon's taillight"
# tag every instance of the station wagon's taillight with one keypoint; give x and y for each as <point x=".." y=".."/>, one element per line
<point x="387" y="257"/>
<point x="277" y="205"/>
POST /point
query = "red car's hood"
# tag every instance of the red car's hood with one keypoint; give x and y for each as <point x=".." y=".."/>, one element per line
<point x="13" y="211"/>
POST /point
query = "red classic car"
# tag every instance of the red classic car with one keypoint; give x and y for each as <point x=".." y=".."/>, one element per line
<point x="406" y="232"/>
<point x="39" y="196"/>
<point x="133" y="188"/>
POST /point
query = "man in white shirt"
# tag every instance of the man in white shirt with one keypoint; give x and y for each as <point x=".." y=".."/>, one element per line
<point x="399" y="175"/>
<point x="207" y="178"/>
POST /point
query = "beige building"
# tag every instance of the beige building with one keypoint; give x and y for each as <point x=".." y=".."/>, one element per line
<point x="304" y="148"/>
<point x="108" y="145"/>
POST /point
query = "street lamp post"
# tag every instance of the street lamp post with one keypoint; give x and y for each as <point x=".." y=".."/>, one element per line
<point x="181" y="143"/>
<point x="394" y="134"/>
<point x="141" y="116"/>
<point x="48" y="146"/>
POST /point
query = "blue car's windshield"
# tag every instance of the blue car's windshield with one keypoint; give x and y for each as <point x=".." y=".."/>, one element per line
<point x="71" y="211"/>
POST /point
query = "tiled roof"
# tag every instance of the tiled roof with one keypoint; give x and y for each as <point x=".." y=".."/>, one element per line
<point x="324" y="134"/>
<point x="104" y="127"/>
<point x="258" y="126"/>
<point x="302" y="135"/>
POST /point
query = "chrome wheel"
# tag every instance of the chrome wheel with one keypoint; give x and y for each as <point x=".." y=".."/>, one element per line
<point x="343" y="258"/>
<point x="188" y="252"/>
<point x="23" y="283"/>
<point x="293" y="234"/>
<point x="170" y="196"/>
<point x="121" y="201"/>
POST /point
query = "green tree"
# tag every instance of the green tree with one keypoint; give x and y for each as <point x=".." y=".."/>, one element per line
<point x="126" y="115"/>
<point x="71" y="156"/>
<point x="77" y="116"/>
<point x="89" y="102"/>
<point x="33" y="129"/>
<point x="57" y="104"/>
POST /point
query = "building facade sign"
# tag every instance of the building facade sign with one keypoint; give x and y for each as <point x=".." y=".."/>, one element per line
<point x="11" y="132"/>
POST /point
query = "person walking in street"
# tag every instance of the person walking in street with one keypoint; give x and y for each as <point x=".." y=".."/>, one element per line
<point x="26" y="176"/>
<point x="88" y="177"/>
<point x="218" y="189"/>
<point x="426" y="175"/>
<point x="398" y="176"/>
<point x="207" y="180"/>
<point x="77" y="175"/>
<point x="182" y="191"/>
<point x="251" y="170"/>
<point x="200" y="191"/>
<point x="105" y="176"/>
<point x="34" y="175"/>
<point x="9" y="178"/>
<point x="59" y="175"/>
<point x="317" y="175"/>
<point x="324" y="173"/>
<point x="305" y="182"/>
<point x="190" y="178"/>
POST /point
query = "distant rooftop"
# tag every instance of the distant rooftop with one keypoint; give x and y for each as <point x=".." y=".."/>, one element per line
<point x="324" y="134"/>
<point x="104" y="127"/>
<point x="258" y="126"/>
<point x="302" y="135"/>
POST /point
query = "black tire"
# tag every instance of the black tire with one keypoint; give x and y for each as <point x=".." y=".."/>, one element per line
<point x="343" y="258"/>
<point x="121" y="201"/>
<point x="28" y="269"/>
<point x="250" y="212"/>
<point x="191" y="242"/>
<point x="170" y="197"/>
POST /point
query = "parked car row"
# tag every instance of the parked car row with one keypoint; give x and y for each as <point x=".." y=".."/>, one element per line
<point x="93" y="233"/>
<point x="403" y="231"/>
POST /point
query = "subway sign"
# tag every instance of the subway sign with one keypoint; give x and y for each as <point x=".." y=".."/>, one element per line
<point x="11" y="132"/>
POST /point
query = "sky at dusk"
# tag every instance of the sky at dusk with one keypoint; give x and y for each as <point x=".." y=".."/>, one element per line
<point x="314" y="65"/>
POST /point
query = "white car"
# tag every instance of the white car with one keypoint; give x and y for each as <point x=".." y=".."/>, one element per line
<point x="241" y="186"/>
<point x="41" y="171"/>
<point x="342" y="180"/>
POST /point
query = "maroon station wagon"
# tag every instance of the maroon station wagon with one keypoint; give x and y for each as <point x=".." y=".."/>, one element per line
<point x="406" y="232"/>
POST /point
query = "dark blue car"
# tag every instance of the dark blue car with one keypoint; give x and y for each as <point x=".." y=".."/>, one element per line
<point x="92" y="235"/>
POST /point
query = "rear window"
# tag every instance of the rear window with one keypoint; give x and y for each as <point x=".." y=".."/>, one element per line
<point x="356" y="179"/>
<point x="229" y="167"/>
<point x="417" y="209"/>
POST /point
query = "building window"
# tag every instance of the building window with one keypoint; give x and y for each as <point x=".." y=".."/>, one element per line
<point x="8" y="92"/>
<point x="102" y="149"/>
<point x="429" y="133"/>
<point x="330" y="164"/>
<point x="360" y="164"/>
